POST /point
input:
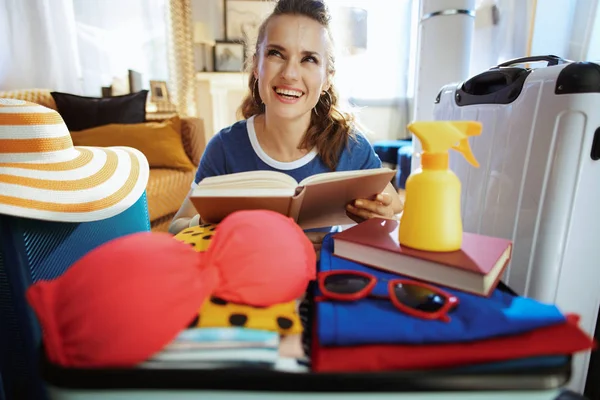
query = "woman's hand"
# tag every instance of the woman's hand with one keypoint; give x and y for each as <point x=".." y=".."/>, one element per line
<point x="363" y="209"/>
<point x="386" y="205"/>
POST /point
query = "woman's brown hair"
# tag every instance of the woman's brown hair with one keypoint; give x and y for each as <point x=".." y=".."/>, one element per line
<point x="330" y="127"/>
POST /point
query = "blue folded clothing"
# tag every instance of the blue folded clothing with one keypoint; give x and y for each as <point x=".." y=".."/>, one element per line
<point x="372" y="321"/>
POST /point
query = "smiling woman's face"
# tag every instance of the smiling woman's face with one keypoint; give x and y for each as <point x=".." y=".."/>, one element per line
<point x="291" y="66"/>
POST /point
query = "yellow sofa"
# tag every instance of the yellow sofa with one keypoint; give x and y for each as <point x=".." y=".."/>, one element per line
<point x="167" y="187"/>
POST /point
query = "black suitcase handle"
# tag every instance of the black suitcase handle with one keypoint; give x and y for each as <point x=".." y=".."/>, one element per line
<point x="551" y="59"/>
<point x="496" y="86"/>
<point x="503" y="83"/>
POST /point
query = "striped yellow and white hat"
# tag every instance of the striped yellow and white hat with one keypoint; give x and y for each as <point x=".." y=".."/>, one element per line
<point x="43" y="176"/>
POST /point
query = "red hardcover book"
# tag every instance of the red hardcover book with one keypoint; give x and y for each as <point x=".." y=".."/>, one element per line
<point x="475" y="268"/>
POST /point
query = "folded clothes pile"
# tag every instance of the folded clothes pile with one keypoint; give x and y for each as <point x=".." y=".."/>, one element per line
<point x="373" y="334"/>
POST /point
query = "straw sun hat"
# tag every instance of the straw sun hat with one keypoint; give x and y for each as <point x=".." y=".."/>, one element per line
<point x="43" y="176"/>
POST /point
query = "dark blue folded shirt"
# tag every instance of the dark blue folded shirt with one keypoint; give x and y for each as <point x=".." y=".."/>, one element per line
<point x="370" y="321"/>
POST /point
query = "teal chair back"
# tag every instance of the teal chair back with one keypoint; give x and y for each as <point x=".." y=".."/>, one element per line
<point x="33" y="250"/>
<point x="1" y="388"/>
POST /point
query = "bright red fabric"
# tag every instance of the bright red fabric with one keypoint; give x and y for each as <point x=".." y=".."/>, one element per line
<point x="563" y="339"/>
<point x="125" y="300"/>
<point x="261" y="260"/>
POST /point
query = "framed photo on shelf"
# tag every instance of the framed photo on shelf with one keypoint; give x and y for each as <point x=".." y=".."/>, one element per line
<point x="228" y="56"/>
<point x="242" y="18"/>
<point x="159" y="92"/>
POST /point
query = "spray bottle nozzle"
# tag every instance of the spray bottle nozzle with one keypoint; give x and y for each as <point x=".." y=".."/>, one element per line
<point x="464" y="149"/>
<point x="441" y="136"/>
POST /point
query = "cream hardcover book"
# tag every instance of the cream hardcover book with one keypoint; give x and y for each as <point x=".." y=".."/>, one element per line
<point x="317" y="201"/>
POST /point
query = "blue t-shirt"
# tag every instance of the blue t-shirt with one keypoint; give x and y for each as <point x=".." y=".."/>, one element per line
<point x="236" y="149"/>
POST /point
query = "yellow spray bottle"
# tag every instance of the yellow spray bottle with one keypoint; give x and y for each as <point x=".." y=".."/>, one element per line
<point x="431" y="220"/>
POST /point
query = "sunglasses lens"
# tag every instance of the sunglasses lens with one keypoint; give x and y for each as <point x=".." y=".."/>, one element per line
<point x="419" y="298"/>
<point x="345" y="283"/>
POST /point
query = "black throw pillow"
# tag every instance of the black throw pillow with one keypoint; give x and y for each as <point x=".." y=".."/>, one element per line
<point x="80" y="112"/>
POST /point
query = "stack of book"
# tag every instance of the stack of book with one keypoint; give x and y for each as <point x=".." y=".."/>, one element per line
<point x="476" y="267"/>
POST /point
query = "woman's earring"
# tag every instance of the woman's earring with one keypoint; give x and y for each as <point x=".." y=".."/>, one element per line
<point x="321" y="101"/>
<point x="326" y="103"/>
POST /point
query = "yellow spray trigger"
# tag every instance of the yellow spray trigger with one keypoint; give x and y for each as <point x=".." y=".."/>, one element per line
<point x="440" y="136"/>
<point x="464" y="149"/>
<point x="469" y="128"/>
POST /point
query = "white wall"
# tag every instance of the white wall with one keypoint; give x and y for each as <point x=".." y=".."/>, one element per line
<point x="567" y="28"/>
<point x="594" y="44"/>
<point x="383" y="122"/>
<point x="553" y="25"/>
<point x="209" y="12"/>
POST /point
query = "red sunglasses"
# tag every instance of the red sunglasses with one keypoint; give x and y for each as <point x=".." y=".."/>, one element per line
<point x="412" y="297"/>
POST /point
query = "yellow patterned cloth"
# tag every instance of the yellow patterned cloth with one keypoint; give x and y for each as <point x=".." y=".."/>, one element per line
<point x="197" y="236"/>
<point x="215" y="312"/>
<point x="281" y="318"/>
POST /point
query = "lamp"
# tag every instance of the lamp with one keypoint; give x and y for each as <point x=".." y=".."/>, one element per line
<point x="202" y="38"/>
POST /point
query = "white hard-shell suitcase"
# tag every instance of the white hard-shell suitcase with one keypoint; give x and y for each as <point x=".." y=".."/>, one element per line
<point x="539" y="177"/>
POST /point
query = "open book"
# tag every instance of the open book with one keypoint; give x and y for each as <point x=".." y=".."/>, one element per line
<point x="317" y="201"/>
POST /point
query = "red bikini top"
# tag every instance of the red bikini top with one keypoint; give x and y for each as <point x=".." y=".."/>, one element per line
<point x="125" y="300"/>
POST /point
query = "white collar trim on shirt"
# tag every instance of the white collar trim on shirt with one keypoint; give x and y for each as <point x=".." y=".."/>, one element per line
<point x="270" y="161"/>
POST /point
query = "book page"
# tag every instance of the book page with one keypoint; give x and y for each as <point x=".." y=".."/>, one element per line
<point x="249" y="179"/>
<point x="341" y="175"/>
<point x="242" y="192"/>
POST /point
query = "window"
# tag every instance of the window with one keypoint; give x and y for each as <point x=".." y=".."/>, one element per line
<point x="375" y="69"/>
<point x="115" y="35"/>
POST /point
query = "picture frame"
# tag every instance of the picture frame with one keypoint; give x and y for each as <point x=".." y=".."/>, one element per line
<point x="159" y="92"/>
<point x="229" y="56"/>
<point x="242" y="18"/>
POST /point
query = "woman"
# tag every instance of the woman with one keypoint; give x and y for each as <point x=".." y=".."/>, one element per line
<point x="293" y="123"/>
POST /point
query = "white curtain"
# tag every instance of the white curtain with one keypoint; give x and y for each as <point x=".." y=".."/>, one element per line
<point x="38" y="46"/>
<point x="78" y="46"/>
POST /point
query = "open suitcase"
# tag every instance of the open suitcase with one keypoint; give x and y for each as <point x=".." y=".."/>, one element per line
<point x="492" y="381"/>
<point x="535" y="378"/>
<point x="542" y="377"/>
<point x="539" y="177"/>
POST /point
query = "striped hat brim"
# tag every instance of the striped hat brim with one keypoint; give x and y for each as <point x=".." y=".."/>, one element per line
<point x="43" y="176"/>
<point x="98" y="183"/>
